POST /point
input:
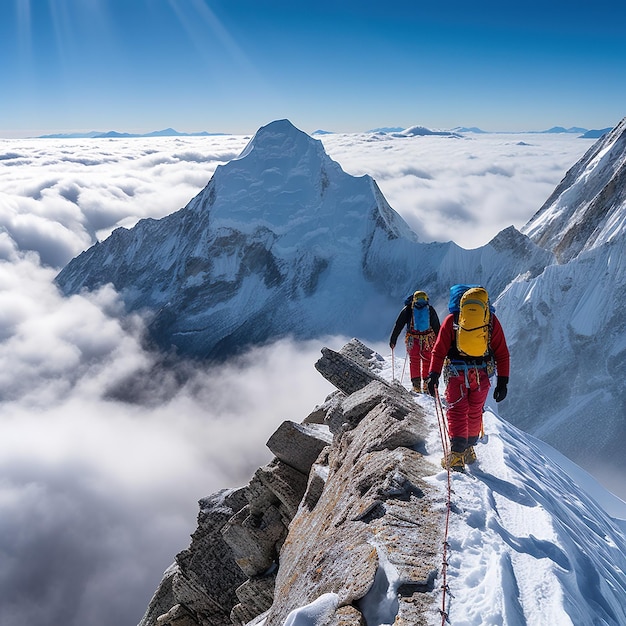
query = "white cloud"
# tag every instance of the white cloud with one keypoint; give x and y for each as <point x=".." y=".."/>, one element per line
<point x="98" y="493"/>
<point x="104" y="451"/>
<point x="58" y="196"/>
<point x="466" y="190"/>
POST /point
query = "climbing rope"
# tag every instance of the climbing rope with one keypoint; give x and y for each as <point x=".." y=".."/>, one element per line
<point x="446" y="449"/>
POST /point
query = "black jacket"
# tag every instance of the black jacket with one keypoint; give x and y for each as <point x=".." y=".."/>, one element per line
<point x="404" y="319"/>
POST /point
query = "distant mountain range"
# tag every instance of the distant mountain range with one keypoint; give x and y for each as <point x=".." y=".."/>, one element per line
<point x="406" y="132"/>
<point x="422" y="130"/>
<point x="113" y="134"/>
<point x="555" y="130"/>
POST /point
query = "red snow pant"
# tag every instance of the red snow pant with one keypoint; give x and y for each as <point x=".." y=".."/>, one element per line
<point x="466" y="394"/>
<point x="419" y="347"/>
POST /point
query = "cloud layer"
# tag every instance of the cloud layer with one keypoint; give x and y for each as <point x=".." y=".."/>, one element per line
<point x="104" y="451"/>
<point x="57" y="197"/>
<point x="466" y="189"/>
<point x="98" y="493"/>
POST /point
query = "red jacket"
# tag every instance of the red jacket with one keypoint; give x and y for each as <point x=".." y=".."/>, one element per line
<point x="445" y="344"/>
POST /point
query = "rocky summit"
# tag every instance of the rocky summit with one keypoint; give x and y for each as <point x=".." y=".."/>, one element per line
<point x="343" y="509"/>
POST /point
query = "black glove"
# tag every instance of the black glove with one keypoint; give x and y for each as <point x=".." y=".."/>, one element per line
<point x="433" y="382"/>
<point x="392" y="344"/>
<point x="499" y="392"/>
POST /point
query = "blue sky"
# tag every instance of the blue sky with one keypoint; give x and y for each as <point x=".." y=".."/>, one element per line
<point x="340" y="65"/>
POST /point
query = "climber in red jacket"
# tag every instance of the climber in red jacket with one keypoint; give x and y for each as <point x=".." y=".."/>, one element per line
<point x="422" y="325"/>
<point x="467" y="385"/>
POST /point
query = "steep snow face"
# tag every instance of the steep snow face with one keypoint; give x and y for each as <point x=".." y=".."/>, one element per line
<point x="283" y="241"/>
<point x="567" y="335"/>
<point x="284" y="181"/>
<point x="566" y="328"/>
<point x="587" y="209"/>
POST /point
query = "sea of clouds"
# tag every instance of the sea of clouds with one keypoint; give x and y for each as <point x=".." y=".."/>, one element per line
<point x="104" y="449"/>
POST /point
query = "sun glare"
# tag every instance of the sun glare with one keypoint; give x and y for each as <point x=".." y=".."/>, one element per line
<point x="196" y="17"/>
<point x="22" y="10"/>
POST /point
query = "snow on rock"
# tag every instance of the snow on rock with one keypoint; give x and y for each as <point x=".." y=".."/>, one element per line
<point x="588" y="207"/>
<point x="321" y="610"/>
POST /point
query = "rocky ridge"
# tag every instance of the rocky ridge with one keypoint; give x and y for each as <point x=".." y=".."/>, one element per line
<point x="344" y="493"/>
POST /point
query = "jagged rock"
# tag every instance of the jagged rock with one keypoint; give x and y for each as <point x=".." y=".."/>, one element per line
<point x="355" y="406"/>
<point x="317" y="480"/>
<point x="320" y="414"/>
<point x="276" y="484"/>
<point x="341" y="503"/>
<point x="362" y="354"/>
<point x="299" y="445"/>
<point x="256" y="533"/>
<point x="162" y="600"/>
<point x="205" y="575"/>
<point x="344" y="372"/>
<point x="256" y="596"/>
<point x="253" y="538"/>
<point x="178" y="615"/>
<point x="374" y="505"/>
<point x="287" y="484"/>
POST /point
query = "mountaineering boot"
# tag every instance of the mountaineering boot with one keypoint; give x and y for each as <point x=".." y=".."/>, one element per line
<point x="469" y="455"/>
<point x="417" y="385"/>
<point x="454" y="461"/>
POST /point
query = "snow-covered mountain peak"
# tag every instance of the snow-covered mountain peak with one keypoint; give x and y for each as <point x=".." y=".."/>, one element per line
<point x="278" y="226"/>
<point x="283" y="241"/>
<point x="284" y="180"/>
<point x="281" y="140"/>
<point x="588" y="207"/>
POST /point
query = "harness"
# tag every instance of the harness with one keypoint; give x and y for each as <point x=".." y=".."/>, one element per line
<point x="425" y="338"/>
<point x="469" y="368"/>
<point x="467" y="364"/>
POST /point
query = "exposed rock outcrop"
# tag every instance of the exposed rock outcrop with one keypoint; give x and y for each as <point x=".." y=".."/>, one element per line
<point x="342" y="509"/>
<point x="199" y="587"/>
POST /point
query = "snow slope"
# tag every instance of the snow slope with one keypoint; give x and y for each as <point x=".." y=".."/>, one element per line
<point x="533" y="539"/>
<point x="587" y="209"/>
<point x="566" y="328"/>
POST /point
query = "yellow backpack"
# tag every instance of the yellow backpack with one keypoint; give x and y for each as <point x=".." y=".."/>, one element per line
<point x="473" y="324"/>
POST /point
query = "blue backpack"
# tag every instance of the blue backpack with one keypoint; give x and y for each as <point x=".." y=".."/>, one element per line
<point x="420" y="312"/>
